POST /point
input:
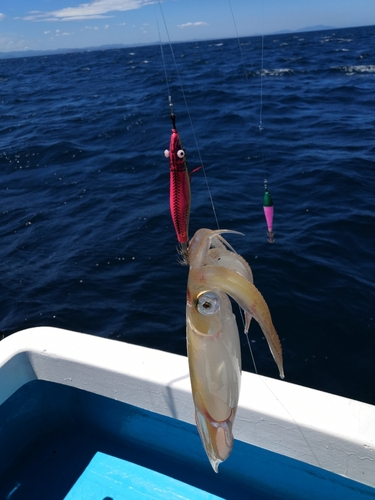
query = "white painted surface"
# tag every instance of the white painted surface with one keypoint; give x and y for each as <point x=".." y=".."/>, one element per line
<point x="321" y="429"/>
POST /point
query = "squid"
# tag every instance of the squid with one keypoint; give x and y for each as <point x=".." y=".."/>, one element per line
<point x="217" y="272"/>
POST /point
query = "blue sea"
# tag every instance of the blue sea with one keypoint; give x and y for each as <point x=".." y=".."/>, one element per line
<point x="87" y="241"/>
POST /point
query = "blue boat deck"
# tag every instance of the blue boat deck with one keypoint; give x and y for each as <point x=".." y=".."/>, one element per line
<point x="67" y="465"/>
<point x="67" y="444"/>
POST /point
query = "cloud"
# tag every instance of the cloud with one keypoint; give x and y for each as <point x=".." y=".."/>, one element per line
<point x="96" y="9"/>
<point x="80" y="18"/>
<point x="2" y="16"/>
<point x="188" y="25"/>
<point x="9" y="45"/>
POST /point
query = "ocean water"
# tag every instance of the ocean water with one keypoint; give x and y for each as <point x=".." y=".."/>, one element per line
<point x="87" y="241"/>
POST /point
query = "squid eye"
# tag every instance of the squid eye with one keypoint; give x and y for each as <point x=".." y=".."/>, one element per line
<point x="207" y="303"/>
<point x="181" y="153"/>
<point x="166" y="153"/>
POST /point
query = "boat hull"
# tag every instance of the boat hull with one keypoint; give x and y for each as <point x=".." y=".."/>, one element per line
<point x="75" y="407"/>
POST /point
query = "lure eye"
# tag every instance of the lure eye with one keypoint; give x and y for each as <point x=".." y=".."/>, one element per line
<point x="181" y="153"/>
<point x="207" y="303"/>
<point x="166" y="153"/>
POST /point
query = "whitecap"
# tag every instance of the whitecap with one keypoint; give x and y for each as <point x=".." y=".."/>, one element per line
<point x="277" y="72"/>
<point x="361" y="68"/>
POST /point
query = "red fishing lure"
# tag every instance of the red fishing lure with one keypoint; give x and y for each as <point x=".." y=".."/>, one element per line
<point x="180" y="195"/>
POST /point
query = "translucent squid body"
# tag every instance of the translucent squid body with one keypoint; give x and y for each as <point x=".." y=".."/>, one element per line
<point x="217" y="271"/>
<point x="180" y="195"/>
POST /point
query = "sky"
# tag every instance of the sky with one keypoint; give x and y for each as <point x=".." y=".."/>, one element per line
<point x="69" y="24"/>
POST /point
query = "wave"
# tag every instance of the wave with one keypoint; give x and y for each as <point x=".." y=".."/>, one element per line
<point x="357" y="69"/>
<point x="87" y="238"/>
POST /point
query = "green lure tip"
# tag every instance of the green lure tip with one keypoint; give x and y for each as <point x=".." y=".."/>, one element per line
<point x="267" y="200"/>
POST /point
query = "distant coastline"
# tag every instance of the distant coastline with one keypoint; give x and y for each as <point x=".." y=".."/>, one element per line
<point x="34" y="53"/>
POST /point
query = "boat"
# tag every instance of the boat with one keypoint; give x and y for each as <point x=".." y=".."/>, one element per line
<point x="83" y="417"/>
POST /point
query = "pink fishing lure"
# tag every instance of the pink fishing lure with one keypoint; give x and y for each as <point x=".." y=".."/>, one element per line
<point x="180" y="194"/>
<point x="268" y="212"/>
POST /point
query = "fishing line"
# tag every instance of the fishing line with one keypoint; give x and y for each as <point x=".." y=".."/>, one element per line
<point x="261" y="93"/>
<point x="239" y="43"/>
<point x="292" y="418"/>
<point x="260" y="123"/>
<point x="267" y="200"/>
<point x="248" y="343"/>
<point x="163" y="59"/>
<point x="193" y="130"/>
<point x="188" y="113"/>
<point x="209" y="192"/>
<point x="248" y="83"/>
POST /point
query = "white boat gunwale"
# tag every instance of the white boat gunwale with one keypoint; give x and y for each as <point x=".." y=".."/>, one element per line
<point x="323" y="430"/>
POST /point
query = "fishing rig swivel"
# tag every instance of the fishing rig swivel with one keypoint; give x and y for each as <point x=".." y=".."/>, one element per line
<point x="173" y="116"/>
